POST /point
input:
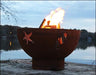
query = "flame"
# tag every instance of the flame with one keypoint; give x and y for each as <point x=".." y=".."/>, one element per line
<point x="54" y="19"/>
<point x="60" y="40"/>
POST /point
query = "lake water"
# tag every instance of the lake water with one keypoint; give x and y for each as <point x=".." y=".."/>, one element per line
<point x="86" y="56"/>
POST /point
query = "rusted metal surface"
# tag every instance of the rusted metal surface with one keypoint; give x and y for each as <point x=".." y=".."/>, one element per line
<point x="48" y="64"/>
<point x="45" y="50"/>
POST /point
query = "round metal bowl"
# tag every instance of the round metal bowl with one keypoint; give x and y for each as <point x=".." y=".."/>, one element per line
<point x="43" y="46"/>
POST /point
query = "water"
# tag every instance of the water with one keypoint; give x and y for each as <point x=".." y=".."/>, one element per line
<point x="84" y="53"/>
<point x="86" y="56"/>
<point x="77" y="56"/>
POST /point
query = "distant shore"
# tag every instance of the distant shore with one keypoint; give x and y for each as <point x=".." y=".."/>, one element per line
<point x="24" y="67"/>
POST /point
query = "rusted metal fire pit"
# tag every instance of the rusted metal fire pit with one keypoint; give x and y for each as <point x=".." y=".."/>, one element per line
<point x="43" y="46"/>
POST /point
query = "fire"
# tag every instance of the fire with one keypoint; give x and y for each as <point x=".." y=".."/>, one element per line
<point x="53" y="20"/>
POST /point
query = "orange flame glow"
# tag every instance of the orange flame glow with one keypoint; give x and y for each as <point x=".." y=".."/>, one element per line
<point x="54" y="19"/>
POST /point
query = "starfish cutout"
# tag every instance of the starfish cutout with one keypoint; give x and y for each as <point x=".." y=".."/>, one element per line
<point x="27" y="37"/>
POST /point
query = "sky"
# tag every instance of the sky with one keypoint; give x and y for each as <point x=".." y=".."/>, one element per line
<point x="78" y="14"/>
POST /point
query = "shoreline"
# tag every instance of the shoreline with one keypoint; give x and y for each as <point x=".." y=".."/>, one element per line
<point x="24" y="67"/>
<point x="5" y="61"/>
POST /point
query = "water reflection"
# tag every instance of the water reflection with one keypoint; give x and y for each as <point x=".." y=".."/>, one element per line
<point x="83" y="44"/>
<point x="9" y="43"/>
<point x="12" y="43"/>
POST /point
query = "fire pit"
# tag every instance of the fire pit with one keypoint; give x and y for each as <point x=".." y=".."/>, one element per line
<point x="48" y="45"/>
<point x="44" y="48"/>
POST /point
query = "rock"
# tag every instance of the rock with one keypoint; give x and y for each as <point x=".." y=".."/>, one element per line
<point x="24" y="67"/>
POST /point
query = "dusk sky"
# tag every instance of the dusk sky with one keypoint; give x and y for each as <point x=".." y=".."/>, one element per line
<point x="78" y="14"/>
